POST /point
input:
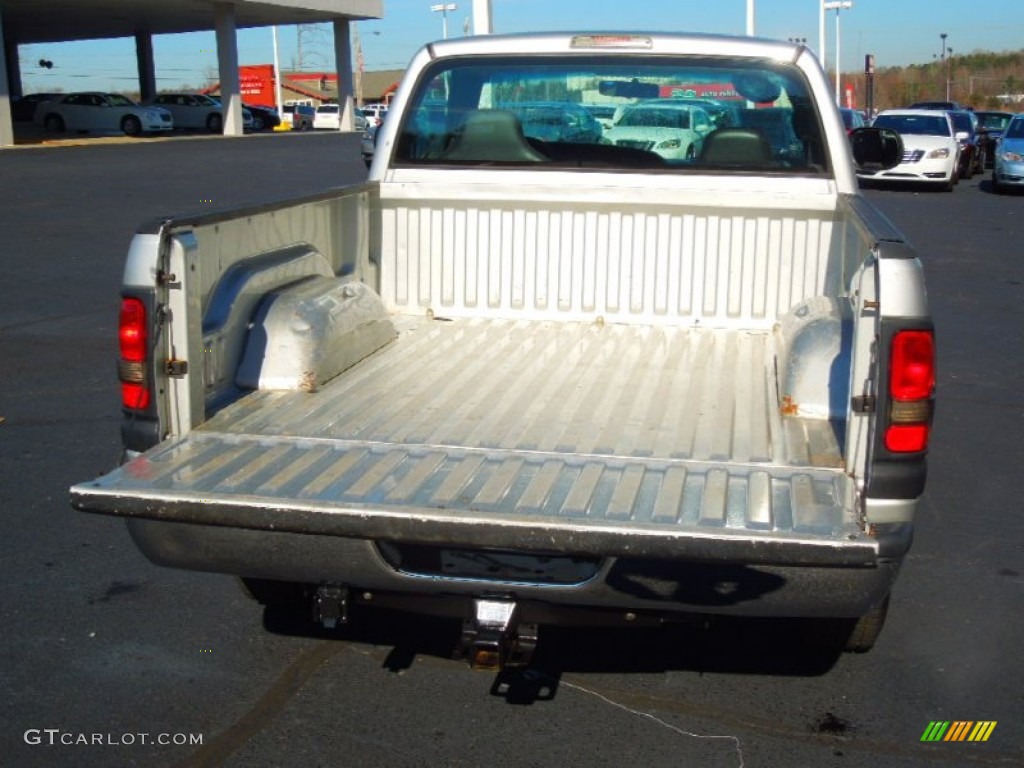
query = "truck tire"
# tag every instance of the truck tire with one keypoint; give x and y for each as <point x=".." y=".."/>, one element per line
<point x="867" y="628"/>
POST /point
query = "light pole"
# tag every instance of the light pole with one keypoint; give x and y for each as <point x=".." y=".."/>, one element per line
<point x="837" y="6"/>
<point x="444" y="8"/>
<point x="944" y="59"/>
<point x="750" y="18"/>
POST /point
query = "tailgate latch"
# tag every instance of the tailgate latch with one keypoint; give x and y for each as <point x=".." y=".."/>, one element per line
<point x="176" y="368"/>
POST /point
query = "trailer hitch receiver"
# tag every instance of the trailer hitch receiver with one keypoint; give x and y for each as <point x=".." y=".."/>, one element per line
<point x="494" y="638"/>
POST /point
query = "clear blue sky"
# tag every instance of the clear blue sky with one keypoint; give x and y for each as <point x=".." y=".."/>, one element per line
<point x="898" y="32"/>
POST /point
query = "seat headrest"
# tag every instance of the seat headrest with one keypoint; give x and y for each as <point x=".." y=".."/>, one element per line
<point x="736" y="146"/>
<point x="491" y="135"/>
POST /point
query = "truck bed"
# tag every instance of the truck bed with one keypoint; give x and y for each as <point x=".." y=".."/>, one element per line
<point x="522" y="434"/>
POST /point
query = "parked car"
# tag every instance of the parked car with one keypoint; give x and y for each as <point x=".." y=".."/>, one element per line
<point x="603" y="113"/>
<point x="556" y="121"/>
<point x="852" y="118"/>
<point x="723" y="114"/>
<point x="368" y="143"/>
<point x="972" y="153"/>
<point x="359" y="121"/>
<point x="23" y="110"/>
<point x="328" y="116"/>
<point x="669" y="129"/>
<point x="374" y="113"/>
<point x="102" y="113"/>
<point x="931" y="153"/>
<point x="948" y="106"/>
<point x="1008" y="168"/>
<point x="263" y="117"/>
<point x="299" y="117"/>
<point x="196" y="111"/>
<point x="991" y="126"/>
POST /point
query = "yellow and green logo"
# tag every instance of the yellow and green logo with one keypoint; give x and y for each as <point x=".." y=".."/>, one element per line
<point x="958" y="730"/>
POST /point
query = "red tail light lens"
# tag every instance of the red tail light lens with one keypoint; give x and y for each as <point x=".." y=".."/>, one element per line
<point x="132" y="330"/>
<point x="907" y="438"/>
<point x="911" y="386"/>
<point x="134" y="396"/>
<point x="133" y="337"/>
<point x="912" y="372"/>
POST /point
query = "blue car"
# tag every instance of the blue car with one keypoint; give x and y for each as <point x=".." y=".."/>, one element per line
<point x="1009" y="163"/>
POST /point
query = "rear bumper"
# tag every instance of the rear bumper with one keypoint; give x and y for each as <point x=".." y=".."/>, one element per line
<point x="659" y="585"/>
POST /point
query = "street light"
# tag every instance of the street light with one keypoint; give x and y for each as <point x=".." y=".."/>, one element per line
<point x="444" y="8"/>
<point x="945" y="60"/>
<point x="834" y="5"/>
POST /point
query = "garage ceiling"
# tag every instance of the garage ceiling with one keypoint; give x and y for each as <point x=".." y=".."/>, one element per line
<point x="47" y="21"/>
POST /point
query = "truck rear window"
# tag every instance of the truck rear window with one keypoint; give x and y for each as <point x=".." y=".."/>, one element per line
<point x="670" y="113"/>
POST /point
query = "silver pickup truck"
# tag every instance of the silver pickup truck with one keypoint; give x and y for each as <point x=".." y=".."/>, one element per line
<point x="529" y="372"/>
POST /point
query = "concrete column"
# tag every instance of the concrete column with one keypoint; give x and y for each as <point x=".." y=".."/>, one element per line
<point x="147" y="65"/>
<point x="14" y="84"/>
<point x="343" y="66"/>
<point x="482" y="24"/>
<point x="6" y="125"/>
<point x="227" y="62"/>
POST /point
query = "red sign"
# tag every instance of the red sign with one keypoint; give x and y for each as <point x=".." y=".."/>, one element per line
<point x="720" y="91"/>
<point x="256" y="83"/>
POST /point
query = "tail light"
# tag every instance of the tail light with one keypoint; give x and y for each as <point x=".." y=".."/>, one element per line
<point x="133" y="337"/>
<point x="911" y="390"/>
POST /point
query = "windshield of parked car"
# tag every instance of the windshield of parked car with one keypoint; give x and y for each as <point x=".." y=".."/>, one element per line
<point x="656" y="117"/>
<point x="501" y="111"/>
<point x="914" y="125"/>
<point x="1015" y="130"/>
<point x="116" y="100"/>
<point x="962" y="122"/>
<point x="993" y="121"/>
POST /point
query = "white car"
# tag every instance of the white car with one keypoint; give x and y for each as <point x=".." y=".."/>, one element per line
<point x="101" y="113"/>
<point x="672" y="130"/>
<point x="328" y="116"/>
<point x="931" y="152"/>
<point x="374" y="113"/>
<point x="196" y="111"/>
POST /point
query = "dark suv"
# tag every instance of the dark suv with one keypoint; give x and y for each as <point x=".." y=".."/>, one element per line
<point x="948" y="106"/>
<point x="299" y="115"/>
<point x="991" y="126"/>
<point x="972" y="151"/>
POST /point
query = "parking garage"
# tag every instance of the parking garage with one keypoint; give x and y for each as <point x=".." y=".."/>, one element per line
<point x="24" y="22"/>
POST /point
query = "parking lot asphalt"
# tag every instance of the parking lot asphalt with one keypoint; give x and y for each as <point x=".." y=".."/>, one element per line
<point x="99" y="641"/>
<point x="28" y="135"/>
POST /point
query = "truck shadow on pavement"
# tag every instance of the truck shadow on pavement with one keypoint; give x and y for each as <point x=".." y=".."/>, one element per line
<point x="724" y="645"/>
